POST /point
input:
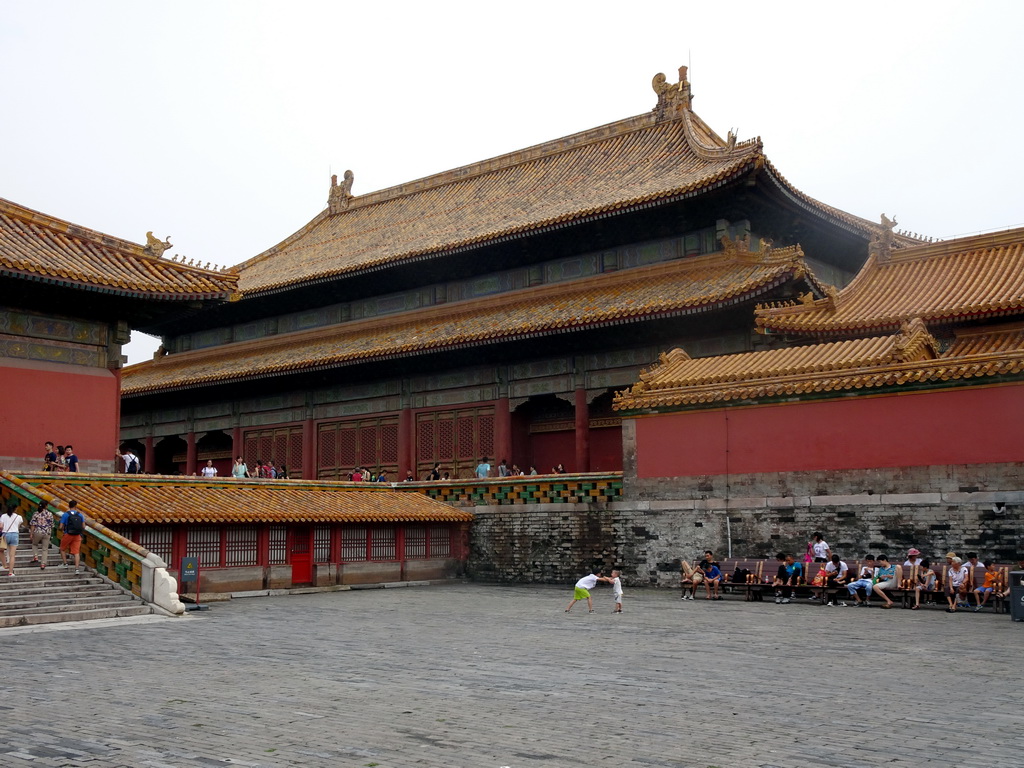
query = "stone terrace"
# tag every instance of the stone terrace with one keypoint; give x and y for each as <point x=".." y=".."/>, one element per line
<point x="491" y="676"/>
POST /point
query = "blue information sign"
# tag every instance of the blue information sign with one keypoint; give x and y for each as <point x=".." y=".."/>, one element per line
<point x="189" y="569"/>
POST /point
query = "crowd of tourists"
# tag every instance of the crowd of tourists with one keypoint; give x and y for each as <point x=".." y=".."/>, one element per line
<point x="965" y="583"/>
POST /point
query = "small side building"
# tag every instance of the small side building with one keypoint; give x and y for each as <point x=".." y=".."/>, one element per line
<point x="266" y="534"/>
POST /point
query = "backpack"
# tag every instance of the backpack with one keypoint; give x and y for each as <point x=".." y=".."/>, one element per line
<point x="133" y="466"/>
<point x="75" y="524"/>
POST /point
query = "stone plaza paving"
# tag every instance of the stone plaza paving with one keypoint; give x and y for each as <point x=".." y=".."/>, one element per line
<point x="490" y="676"/>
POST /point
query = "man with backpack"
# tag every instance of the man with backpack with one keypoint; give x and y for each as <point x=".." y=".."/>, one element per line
<point x="72" y="523"/>
<point x="131" y="461"/>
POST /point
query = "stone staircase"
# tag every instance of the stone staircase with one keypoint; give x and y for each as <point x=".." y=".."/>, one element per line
<point x="54" y="594"/>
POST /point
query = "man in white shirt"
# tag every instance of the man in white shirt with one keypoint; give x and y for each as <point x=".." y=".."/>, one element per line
<point x="131" y="461"/>
<point x="582" y="590"/>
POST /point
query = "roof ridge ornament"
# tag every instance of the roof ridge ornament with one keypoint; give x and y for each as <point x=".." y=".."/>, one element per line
<point x="914" y="342"/>
<point x="155" y="247"/>
<point x="882" y="243"/>
<point x="673" y="98"/>
<point x="341" y="194"/>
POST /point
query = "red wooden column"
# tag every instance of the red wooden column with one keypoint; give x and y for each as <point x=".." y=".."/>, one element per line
<point x="236" y="445"/>
<point x="308" y="450"/>
<point x="582" y="431"/>
<point x="406" y="444"/>
<point x="190" y="454"/>
<point x="149" y="460"/>
<point x="503" y="432"/>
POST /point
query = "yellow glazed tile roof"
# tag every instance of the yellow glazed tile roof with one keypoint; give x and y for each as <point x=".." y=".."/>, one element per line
<point x="119" y="500"/>
<point x="945" y="282"/>
<point x="910" y="356"/>
<point x="669" y="153"/>
<point x="35" y="246"/>
<point x="690" y="285"/>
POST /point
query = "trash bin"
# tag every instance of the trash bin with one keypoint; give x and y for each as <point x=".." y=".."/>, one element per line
<point x="1017" y="595"/>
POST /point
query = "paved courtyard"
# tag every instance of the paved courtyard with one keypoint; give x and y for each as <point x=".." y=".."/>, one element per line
<point x="491" y="676"/>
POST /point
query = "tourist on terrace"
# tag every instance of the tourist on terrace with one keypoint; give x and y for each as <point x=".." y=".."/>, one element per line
<point x="50" y="463"/>
<point x="70" y="460"/>
<point x="239" y="471"/>
<point x="503" y="470"/>
<point x="209" y="470"/>
<point x="131" y="461"/>
<point x="40" y="529"/>
<point x="435" y="473"/>
<point x="483" y="469"/>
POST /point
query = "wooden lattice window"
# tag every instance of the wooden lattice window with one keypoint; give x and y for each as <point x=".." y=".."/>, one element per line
<point x="415" y="542"/>
<point x="486" y="432"/>
<point x="368" y="450"/>
<point x="440" y="541"/>
<point x="322" y="544"/>
<point x="446" y="438"/>
<point x="347" y="448"/>
<point x="157" y="539"/>
<point x="294" y="454"/>
<point x="371" y="443"/>
<point x="382" y="544"/>
<point x="281" y="445"/>
<point x="389" y="443"/>
<point x="353" y="544"/>
<point x="327" y="448"/>
<point x="454" y="438"/>
<point x="465" y="438"/>
<point x="278" y="544"/>
<point x="204" y="542"/>
<point x="426" y="440"/>
<point x="240" y="545"/>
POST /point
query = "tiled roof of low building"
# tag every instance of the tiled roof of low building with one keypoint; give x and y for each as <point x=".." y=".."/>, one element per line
<point x="154" y="500"/>
<point x="942" y="283"/>
<point x="911" y="356"/>
<point x="685" y="286"/>
<point x="35" y="246"/>
<point x="667" y="154"/>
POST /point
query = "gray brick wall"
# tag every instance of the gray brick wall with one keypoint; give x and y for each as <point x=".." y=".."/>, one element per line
<point x="936" y="509"/>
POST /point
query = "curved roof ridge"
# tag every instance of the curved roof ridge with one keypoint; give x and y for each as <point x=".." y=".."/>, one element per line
<point x="49" y="221"/>
<point x="977" y="276"/>
<point x="38" y="246"/>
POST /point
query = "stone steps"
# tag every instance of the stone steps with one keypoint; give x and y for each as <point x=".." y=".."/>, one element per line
<point x="54" y="594"/>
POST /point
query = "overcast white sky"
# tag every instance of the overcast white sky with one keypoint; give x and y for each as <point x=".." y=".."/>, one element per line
<point x="219" y="123"/>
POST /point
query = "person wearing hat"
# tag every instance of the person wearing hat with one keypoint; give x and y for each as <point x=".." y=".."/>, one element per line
<point x="956" y="581"/>
<point x="913" y="558"/>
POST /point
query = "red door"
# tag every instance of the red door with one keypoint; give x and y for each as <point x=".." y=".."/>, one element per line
<point x="302" y="556"/>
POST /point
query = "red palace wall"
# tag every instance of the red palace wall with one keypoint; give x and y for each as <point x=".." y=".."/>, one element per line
<point x="980" y="425"/>
<point x="62" y="403"/>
